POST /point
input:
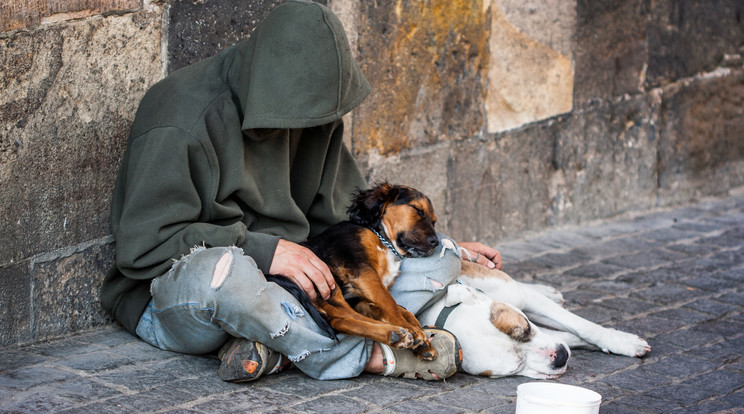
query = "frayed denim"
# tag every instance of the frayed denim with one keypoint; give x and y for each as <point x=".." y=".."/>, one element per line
<point x="214" y="293"/>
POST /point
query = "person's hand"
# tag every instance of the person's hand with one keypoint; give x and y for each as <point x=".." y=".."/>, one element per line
<point x="303" y="267"/>
<point x="482" y="254"/>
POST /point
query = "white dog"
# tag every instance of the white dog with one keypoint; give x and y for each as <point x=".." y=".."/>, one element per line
<point x="494" y="317"/>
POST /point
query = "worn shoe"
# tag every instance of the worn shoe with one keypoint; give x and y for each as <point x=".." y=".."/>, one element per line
<point x="405" y="364"/>
<point x="244" y="360"/>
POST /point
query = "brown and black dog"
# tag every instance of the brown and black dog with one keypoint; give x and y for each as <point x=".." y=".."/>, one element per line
<point x="386" y="223"/>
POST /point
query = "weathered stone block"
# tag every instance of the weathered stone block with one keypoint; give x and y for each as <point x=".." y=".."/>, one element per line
<point x="498" y="187"/>
<point x="690" y="36"/>
<point x="426" y="61"/>
<point x="200" y="29"/>
<point x="549" y="22"/>
<point x="592" y="164"/>
<point x="15" y="303"/>
<point x="348" y="13"/>
<point x="66" y="291"/>
<point x="611" y="48"/>
<point x="69" y="94"/>
<point x="701" y="149"/>
<point x="530" y="74"/>
<point x="16" y="14"/>
<point x="605" y="161"/>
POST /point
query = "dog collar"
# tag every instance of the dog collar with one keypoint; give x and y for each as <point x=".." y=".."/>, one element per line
<point x="385" y="242"/>
<point x="443" y="315"/>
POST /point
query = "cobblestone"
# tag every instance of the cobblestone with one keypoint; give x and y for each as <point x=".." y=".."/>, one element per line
<point x="673" y="276"/>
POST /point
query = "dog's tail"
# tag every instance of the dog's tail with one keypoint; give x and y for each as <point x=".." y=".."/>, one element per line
<point x="304" y="300"/>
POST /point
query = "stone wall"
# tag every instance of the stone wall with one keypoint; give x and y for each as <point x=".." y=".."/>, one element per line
<point x="514" y="115"/>
<point x="69" y="92"/>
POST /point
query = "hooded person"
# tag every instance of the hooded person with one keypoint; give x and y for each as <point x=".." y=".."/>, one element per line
<point x="230" y="162"/>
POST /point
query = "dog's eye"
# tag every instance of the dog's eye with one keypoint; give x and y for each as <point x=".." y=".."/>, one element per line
<point x="419" y="211"/>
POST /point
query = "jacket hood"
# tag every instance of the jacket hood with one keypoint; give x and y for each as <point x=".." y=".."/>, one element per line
<point x="296" y="69"/>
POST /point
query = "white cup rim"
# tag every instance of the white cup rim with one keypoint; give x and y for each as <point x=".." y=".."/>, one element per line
<point x="556" y="394"/>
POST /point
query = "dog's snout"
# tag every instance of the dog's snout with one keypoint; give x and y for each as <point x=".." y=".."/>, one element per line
<point x="561" y="357"/>
<point x="433" y="241"/>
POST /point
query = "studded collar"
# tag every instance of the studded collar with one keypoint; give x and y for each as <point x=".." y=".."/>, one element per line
<point x="385" y="242"/>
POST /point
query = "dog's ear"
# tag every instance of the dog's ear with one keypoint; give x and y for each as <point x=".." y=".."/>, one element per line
<point x="511" y="322"/>
<point x="367" y="206"/>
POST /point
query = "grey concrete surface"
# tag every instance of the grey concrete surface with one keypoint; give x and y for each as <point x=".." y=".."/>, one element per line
<point x="672" y="276"/>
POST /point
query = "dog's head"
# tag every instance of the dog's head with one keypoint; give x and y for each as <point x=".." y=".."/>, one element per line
<point x="498" y="340"/>
<point x="403" y="214"/>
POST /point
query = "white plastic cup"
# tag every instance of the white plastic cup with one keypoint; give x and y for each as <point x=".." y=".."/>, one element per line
<point x="553" y="398"/>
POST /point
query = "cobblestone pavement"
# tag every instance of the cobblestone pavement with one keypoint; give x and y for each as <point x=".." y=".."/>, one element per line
<point x="675" y="277"/>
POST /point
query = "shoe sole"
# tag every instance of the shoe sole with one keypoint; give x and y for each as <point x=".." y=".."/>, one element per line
<point x="251" y="366"/>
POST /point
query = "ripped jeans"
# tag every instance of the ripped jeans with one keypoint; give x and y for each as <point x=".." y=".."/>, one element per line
<point x="215" y="293"/>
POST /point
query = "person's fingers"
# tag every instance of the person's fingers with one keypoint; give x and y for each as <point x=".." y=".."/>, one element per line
<point x="485" y="261"/>
<point x="330" y="281"/>
<point x="482" y="254"/>
<point x="318" y="278"/>
<point x="317" y="272"/>
<point x="493" y="259"/>
<point x="304" y="268"/>
<point x="305" y="284"/>
<point x="496" y="259"/>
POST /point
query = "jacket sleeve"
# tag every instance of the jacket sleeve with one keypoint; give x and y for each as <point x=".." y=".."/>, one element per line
<point x="159" y="213"/>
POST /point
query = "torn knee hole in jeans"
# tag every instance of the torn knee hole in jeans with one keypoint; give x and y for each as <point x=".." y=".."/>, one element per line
<point x="183" y="261"/>
<point x="281" y="332"/>
<point x="293" y="310"/>
<point x="299" y="357"/>
<point x="434" y="284"/>
<point x="222" y="270"/>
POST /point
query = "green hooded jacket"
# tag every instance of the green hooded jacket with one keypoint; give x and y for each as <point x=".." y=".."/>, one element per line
<point x="199" y="169"/>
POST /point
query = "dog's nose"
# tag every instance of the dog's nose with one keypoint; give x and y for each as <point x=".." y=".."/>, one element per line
<point x="433" y="241"/>
<point x="561" y="356"/>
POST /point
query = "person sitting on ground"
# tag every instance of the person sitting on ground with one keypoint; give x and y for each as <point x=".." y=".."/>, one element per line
<point x="231" y="162"/>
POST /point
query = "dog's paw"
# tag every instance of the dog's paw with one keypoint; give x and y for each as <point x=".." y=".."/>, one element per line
<point x="422" y="346"/>
<point x="623" y="343"/>
<point x="428" y="354"/>
<point x="419" y="338"/>
<point x="401" y="338"/>
<point x="425" y="352"/>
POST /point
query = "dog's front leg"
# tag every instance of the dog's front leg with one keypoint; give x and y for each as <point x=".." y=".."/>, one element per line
<point x="546" y="312"/>
<point x="380" y="304"/>
<point x="346" y="320"/>
<point x="570" y="339"/>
